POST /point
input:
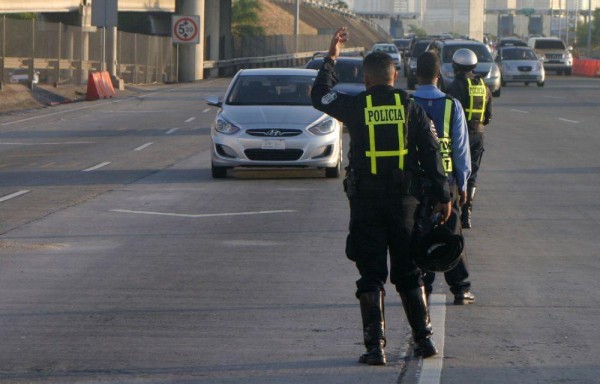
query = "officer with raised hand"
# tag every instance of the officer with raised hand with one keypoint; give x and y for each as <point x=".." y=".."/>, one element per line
<point x="392" y="140"/>
<point x="449" y="119"/>
<point x="476" y="99"/>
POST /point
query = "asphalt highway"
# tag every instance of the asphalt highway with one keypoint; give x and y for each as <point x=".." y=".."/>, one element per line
<point x="123" y="261"/>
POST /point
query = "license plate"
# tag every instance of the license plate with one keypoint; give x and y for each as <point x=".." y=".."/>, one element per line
<point x="273" y="144"/>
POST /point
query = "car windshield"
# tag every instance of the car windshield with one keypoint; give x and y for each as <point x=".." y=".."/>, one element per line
<point x="385" y="48"/>
<point x="402" y="44"/>
<point x="483" y="54"/>
<point x="550" y="44"/>
<point x="346" y="72"/>
<point x="518" y="54"/>
<point x="271" y="90"/>
<point x="419" y="48"/>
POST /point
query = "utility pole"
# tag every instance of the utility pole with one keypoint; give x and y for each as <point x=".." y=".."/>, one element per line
<point x="296" y="25"/>
<point x="589" y="34"/>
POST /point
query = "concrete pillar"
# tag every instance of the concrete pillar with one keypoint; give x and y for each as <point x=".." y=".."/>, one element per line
<point x="85" y="12"/>
<point x="111" y="51"/>
<point x="476" y="13"/>
<point x="225" y="37"/>
<point x="211" y="31"/>
<point x="191" y="56"/>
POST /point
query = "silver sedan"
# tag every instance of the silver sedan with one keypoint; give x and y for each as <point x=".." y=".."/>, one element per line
<point x="520" y="65"/>
<point x="266" y="119"/>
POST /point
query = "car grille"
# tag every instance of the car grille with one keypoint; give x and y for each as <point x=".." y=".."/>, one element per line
<point x="273" y="154"/>
<point x="525" y="69"/>
<point x="554" y="56"/>
<point x="274" y="132"/>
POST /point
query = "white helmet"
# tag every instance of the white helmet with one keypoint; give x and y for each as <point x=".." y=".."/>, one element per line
<point x="464" y="60"/>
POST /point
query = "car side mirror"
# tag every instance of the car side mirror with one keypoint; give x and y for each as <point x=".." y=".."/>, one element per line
<point x="570" y="48"/>
<point x="214" y="101"/>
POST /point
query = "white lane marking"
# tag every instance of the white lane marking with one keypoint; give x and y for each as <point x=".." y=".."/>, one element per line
<point x="206" y="110"/>
<point x="12" y="195"/>
<point x="519" y="110"/>
<point x="555" y="97"/>
<point x="64" y="142"/>
<point x="190" y="120"/>
<point x="96" y="166"/>
<point x="431" y="369"/>
<point x="153" y="111"/>
<point x="201" y="215"/>
<point x="49" y="114"/>
<point x="171" y="131"/>
<point x="143" y="146"/>
<point x="568" y="121"/>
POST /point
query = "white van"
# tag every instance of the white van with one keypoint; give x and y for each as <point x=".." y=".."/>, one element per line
<point x="555" y="55"/>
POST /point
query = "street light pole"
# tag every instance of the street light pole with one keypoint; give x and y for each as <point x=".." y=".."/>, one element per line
<point x="589" y="34"/>
<point x="296" y="25"/>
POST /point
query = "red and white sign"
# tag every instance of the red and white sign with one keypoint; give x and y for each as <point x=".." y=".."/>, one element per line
<point x="186" y="29"/>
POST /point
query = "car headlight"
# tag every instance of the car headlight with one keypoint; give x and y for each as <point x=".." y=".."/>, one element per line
<point x="224" y="126"/>
<point x="325" y="127"/>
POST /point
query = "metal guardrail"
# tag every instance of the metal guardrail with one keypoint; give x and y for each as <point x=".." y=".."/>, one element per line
<point x="273" y="60"/>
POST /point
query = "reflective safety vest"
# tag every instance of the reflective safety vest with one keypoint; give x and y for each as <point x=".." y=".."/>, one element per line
<point x="477" y="98"/>
<point x="386" y="124"/>
<point x="446" y="139"/>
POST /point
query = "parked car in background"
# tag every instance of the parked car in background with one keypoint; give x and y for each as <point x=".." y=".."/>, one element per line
<point x="266" y="119"/>
<point x="403" y="46"/>
<point x="348" y="70"/>
<point x="556" y="55"/>
<point x="486" y="67"/>
<point x="21" y="75"/>
<point x="391" y="50"/>
<point x="520" y="65"/>
<point x="419" y="46"/>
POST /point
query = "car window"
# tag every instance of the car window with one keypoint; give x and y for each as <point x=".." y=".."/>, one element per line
<point x="518" y="54"/>
<point x="271" y="90"/>
<point x="483" y="54"/>
<point x="550" y="44"/>
<point x="419" y="48"/>
<point x="345" y="71"/>
<point x="385" y="48"/>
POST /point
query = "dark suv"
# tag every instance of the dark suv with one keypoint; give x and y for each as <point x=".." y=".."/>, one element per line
<point x="411" y="66"/>
<point x="348" y="70"/>
<point x="486" y="67"/>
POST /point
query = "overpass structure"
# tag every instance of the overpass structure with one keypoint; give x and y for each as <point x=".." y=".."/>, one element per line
<point x="214" y="15"/>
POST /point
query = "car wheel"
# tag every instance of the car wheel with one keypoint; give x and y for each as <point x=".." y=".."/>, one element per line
<point x="496" y="93"/>
<point x="334" y="172"/>
<point x="559" y="73"/>
<point x="540" y="84"/>
<point x="568" y="72"/>
<point x="218" y="172"/>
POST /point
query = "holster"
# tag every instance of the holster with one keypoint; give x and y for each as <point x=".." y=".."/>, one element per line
<point x="475" y="127"/>
<point x="351" y="183"/>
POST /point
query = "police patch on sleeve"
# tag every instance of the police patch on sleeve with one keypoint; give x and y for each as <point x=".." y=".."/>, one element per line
<point x="328" y="98"/>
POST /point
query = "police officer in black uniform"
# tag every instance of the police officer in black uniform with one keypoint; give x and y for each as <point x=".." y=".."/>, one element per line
<point x="476" y="99"/>
<point x="393" y="144"/>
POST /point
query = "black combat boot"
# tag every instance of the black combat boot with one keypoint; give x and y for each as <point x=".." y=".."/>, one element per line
<point x="415" y="306"/>
<point x="373" y="319"/>
<point x="467" y="208"/>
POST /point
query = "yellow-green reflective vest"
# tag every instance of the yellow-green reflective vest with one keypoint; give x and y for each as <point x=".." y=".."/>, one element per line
<point x="446" y="139"/>
<point x="477" y="98"/>
<point x="386" y="128"/>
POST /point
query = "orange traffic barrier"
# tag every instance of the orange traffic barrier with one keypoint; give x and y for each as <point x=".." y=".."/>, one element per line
<point x="99" y="86"/>
<point x="586" y="67"/>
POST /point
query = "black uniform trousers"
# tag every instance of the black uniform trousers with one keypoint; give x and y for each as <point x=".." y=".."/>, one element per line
<point x="456" y="278"/>
<point x="382" y="220"/>
<point x="476" y="147"/>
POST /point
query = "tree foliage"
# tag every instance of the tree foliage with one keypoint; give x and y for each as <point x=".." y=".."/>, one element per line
<point x="582" y="31"/>
<point x="246" y="18"/>
<point x="417" y="31"/>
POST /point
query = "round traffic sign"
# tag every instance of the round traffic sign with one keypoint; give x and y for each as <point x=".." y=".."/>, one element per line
<point x="185" y="29"/>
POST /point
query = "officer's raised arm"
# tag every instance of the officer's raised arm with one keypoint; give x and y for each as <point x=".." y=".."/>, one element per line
<point x="322" y="95"/>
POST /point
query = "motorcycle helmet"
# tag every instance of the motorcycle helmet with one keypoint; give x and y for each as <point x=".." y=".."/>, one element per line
<point x="439" y="249"/>
<point x="464" y="60"/>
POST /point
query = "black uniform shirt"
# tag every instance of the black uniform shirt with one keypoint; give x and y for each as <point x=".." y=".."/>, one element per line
<point x="423" y="155"/>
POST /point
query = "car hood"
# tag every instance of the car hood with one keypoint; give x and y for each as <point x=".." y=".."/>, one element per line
<point x="483" y="69"/>
<point x="521" y="63"/>
<point x="266" y="115"/>
<point x="349" y="88"/>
